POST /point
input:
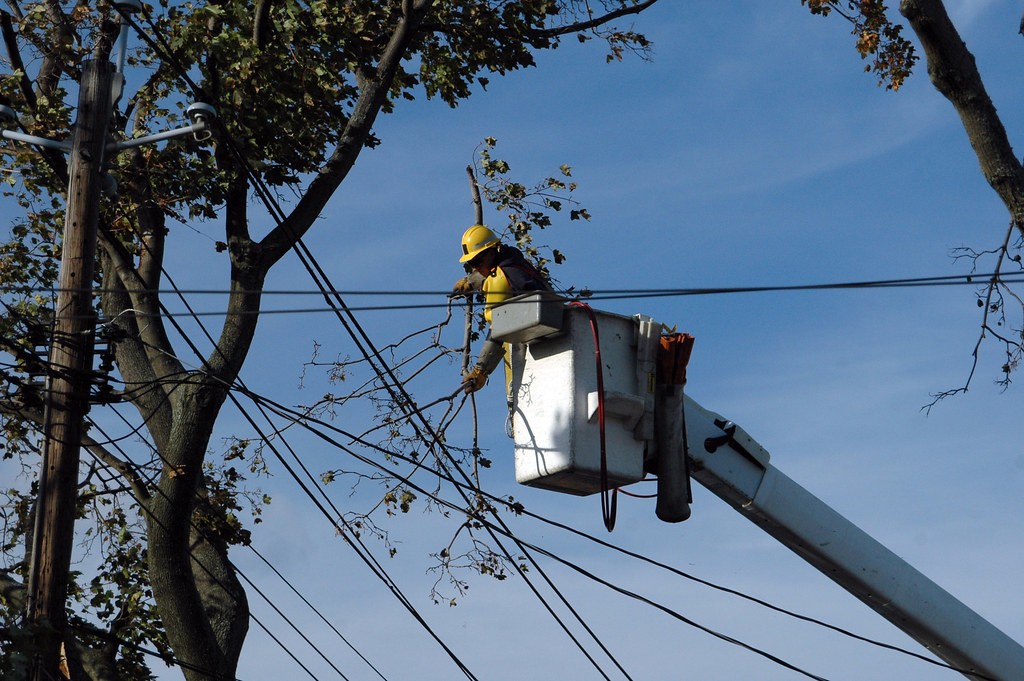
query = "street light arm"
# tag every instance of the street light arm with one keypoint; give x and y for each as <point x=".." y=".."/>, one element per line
<point x="37" y="141"/>
<point x="200" y="126"/>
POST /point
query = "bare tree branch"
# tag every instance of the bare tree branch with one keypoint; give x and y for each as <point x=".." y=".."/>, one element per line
<point x="125" y="468"/>
<point x="991" y="303"/>
<point x="593" y="23"/>
<point x="953" y="72"/>
<point x="261" y="23"/>
<point x="373" y="94"/>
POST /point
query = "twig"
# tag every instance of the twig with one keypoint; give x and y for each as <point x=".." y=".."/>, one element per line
<point x="992" y="290"/>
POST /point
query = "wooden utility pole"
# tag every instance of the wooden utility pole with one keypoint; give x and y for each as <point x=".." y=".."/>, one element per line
<point x="71" y="361"/>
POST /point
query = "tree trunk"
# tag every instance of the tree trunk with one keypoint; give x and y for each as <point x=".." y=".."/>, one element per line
<point x="202" y="605"/>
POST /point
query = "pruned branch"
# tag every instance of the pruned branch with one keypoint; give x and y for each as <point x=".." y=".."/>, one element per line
<point x="474" y="192"/>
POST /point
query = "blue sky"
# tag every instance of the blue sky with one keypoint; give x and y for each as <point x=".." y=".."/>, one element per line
<point x="753" y="150"/>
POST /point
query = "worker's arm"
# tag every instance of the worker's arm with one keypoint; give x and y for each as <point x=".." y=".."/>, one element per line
<point x="490" y="357"/>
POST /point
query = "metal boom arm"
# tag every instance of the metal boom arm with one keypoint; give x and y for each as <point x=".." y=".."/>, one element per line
<point x="734" y="467"/>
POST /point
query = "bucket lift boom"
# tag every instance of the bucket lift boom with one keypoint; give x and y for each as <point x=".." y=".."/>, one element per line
<point x="554" y="396"/>
<point x="729" y="463"/>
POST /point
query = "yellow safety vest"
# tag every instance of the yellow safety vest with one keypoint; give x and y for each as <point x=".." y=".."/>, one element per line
<point x="496" y="290"/>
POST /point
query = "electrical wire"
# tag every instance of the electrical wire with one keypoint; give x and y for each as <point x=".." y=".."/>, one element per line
<point x="604" y="294"/>
<point x="137" y="429"/>
<point x="304" y="420"/>
<point x="317" y="611"/>
<point x="476" y="490"/>
<point x="284" y="579"/>
<point x="546" y="553"/>
<point x="261" y="593"/>
<point x="361" y="550"/>
<point x="378" y="567"/>
<point x="170" y="660"/>
<point x="728" y="639"/>
<point x="236" y="570"/>
<point x="504" y="530"/>
<point x="588" y="293"/>
<point x="401" y="397"/>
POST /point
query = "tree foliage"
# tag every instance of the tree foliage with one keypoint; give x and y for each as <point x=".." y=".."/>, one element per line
<point x="298" y="87"/>
<point x="877" y="37"/>
<point x="529" y="209"/>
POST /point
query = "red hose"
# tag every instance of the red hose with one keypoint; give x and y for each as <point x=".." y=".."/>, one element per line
<point x="609" y="502"/>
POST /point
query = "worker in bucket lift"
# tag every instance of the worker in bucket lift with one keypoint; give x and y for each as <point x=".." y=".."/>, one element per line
<point x="500" y="271"/>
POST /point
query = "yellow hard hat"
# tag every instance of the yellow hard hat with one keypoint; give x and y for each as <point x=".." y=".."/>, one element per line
<point x="475" y="241"/>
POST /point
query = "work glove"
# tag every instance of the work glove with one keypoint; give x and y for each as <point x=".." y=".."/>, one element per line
<point x="462" y="286"/>
<point x="473" y="380"/>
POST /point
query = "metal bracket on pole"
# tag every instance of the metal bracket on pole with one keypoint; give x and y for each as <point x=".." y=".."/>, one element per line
<point x="126" y="8"/>
<point x="37" y="141"/>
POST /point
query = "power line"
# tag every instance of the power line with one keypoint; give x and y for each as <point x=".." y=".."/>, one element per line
<point x="585" y="294"/>
<point x="169" y="658"/>
<point x="298" y="419"/>
<point x="594" y="293"/>
<point x="262" y="594"/>
<point x="309" y="262"/>
<point x="510" y="535"/>
<point x="504" y="530"/>
<point x="728" y="639"/>
<point x="361" y="550"/>
<point x="314" y="609"/>
<point x="396" y="389"/>
<point x="304" y="420"/>
<point x="283" y="411"/>
<point x="364" y="552"/>
<point x="135" y="430"/>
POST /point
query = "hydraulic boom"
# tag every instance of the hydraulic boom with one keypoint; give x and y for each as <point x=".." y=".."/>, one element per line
<point x="731" y="464"/>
